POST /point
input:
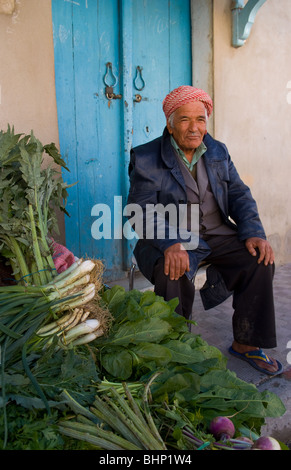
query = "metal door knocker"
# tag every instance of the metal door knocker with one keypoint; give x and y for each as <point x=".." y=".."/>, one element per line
<point x="139" y="84"/>
<point x="109" y="93"/>
<point x="139" y="79"/>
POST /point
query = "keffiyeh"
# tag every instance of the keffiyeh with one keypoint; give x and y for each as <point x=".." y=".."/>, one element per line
<point x="183" y="95"/>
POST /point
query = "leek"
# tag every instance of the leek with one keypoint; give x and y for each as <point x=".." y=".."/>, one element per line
<point x="87" y="338"/>
<point x="83" y="328"/>
<point x="47" y="310"/>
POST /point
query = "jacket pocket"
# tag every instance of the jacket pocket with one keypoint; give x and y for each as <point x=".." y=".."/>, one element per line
<point x="214" y="291"/>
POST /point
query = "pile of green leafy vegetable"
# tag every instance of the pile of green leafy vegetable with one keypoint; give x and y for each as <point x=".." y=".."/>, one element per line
<point x="32" y="420"/>
<point x="148" y="348"/>
<point x="30" y="194"/>
<point x="148" y="335"/>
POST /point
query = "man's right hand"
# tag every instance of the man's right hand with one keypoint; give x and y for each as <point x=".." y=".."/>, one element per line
<point x="176" y="261"/>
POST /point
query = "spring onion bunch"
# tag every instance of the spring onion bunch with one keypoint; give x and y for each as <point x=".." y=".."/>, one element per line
<point x="66" y="309"/>
<point x="36" y="313"/>
<point x="29" y="197"/>
<point x="73" y="329"/>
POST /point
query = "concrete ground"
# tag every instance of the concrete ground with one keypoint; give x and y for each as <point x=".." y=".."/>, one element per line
<point x="215" y="327"/>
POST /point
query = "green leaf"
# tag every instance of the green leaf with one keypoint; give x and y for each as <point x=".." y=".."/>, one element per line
<point x="31" y="402"/>
<point x="153" y="352"/>
<point x="133" y="311"/>
<point x="118" y="363"/>
<point x="205" y="366"/>
<point x="223" y="390"/>
<point x="148" y="298"/>
<point x="52" y="150"/>
<point x="114" y="298"/>
<point x="66" y="369"/>
<point x="8" y="140"/>
<point x="225" y="378"/>
<point x="154" y="305"/>
<point x="173" y="381"/>
<point x="14" y="380"/>
<point x="274" y="407"/>
<point x="148" y="329"/>
<point x="183" y="353"/>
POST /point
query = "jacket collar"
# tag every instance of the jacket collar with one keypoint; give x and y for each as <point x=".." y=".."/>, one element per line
<point x="214" y="152"/>
<point x="170" y="159"/>
<point x="167" y="150"/>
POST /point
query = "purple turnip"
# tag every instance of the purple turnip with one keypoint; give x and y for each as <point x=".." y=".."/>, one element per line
<point x="266" y="443"/>
<point x="222" y="428"/>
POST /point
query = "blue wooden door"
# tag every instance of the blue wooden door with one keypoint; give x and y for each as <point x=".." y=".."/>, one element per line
<point x="115" y="60"/>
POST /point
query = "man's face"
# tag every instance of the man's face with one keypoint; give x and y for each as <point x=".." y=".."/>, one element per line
<point x="189" y="126"/>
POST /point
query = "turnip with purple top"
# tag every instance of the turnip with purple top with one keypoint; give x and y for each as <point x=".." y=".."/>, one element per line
<point x="222" y="428"/>
<point x="266" y="443"/>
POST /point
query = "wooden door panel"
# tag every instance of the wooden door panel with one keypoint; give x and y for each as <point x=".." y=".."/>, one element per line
<point x="162" y="47"/>
<point x="87" y="35"/>
<point x="90" y="40"/>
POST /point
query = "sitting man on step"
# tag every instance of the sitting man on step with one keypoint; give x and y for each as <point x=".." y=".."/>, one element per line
<point x="188" y="166"/>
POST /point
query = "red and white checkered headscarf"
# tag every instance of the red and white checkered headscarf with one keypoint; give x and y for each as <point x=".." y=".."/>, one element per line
<point x="183" y="95"/>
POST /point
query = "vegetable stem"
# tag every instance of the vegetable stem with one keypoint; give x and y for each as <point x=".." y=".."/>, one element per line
<point x="67" y="430"/>
<point x="21" y="263"/>
<point x="147" y="411"/>
<point x="36" y="249"/>
<point x="114" y="420"/>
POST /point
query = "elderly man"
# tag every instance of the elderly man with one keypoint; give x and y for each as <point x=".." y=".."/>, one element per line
<point x="187" y="166"/>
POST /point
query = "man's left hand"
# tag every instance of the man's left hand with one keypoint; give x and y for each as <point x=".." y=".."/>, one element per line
<point x="266" y="253"/>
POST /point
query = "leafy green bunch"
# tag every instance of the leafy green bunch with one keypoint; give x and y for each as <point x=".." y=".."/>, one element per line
<point x="148" y="336"/>
<point x="151" y="360"/>
<point x="29" y="196"/>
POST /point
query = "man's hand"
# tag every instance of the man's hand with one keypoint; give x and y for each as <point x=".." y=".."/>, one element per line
<point x="176" y="261"/>
<point x="264" y="247"/>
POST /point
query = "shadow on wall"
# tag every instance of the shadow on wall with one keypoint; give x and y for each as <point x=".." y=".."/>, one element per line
<point x="287" y="246"/>
<point x="282" y="247"/>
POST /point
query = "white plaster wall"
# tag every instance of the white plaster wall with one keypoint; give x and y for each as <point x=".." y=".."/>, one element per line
<point x="27" y="70"/>
<point x="27" y="88"/>
<point x="252" y="115"/>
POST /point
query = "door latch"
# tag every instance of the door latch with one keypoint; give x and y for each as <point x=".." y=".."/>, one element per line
<point x="137" y="98"/>
<point x="109" y="93"/>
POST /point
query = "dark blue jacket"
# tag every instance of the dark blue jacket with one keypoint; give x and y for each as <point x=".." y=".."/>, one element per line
<point x="155" y="177"/>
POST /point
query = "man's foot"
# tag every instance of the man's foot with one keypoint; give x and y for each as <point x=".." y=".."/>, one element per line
<point x="265" y="364"/>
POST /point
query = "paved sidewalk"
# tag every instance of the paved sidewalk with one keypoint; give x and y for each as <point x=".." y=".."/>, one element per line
<point x="215" y="326"/>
